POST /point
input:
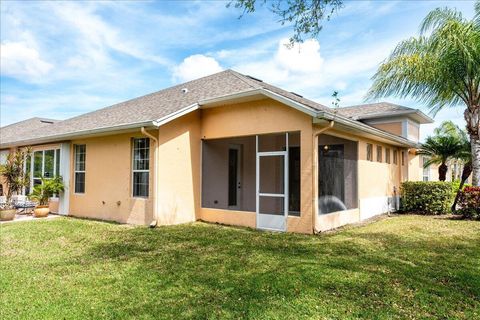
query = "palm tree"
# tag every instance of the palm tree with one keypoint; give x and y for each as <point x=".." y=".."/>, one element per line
<point x="464" y="154"/>
<point x="441" y="68"/>
<point x="439" y="150"/>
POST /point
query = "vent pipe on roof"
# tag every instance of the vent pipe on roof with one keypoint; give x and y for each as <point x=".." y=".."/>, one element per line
<point x="184" y="90"/>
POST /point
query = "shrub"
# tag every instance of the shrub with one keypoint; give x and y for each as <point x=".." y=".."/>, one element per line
<point x="469" y="202"/>
<point x="427" y="197"/>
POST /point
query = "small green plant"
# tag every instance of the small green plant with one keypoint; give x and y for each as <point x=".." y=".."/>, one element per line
<point x="14" y="176"/>
<point x="43" y="192"/>
<point x="430" y="197"/>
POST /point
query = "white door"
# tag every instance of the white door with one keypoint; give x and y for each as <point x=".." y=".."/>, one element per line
<point x="272" y="190"/>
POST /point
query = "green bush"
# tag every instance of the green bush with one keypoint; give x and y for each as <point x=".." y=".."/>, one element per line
<point x="429" y="197"/>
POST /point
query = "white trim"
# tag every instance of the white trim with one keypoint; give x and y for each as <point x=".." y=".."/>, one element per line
<point x="176" y="114"/>
<point x="64" y="203"/>
<point x="75" y="171"/>
<point x="133" y="171"/>
<point x="266" y="221"/>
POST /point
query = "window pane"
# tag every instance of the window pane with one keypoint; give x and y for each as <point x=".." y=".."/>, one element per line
<point x="80" y="157"/>
<point x="79" y="182"/>
<point x="37" y="164"/>
<point x="48" y="165"/>
<point x="57" y="164"/>
<point x="140" y="184"/>
<point x="141" y="154"/>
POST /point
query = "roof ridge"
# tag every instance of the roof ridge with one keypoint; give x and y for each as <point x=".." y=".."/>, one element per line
<point x="242" y="77"/>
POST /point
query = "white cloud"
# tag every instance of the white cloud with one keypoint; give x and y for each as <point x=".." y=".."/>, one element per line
<point x="23" y="62"/>
<point x="195" y="66"/>
<point x="302" y="57"/>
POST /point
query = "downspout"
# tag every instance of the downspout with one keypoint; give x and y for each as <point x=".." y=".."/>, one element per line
<point x="315" y="173"/>
<point x="153" y="224"/>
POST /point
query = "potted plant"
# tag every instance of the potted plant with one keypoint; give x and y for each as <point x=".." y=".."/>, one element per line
<point x="43" y="192"/>
<point x="14" y="179"/>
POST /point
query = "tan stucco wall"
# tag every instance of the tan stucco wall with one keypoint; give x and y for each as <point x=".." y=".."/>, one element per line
<point x="108" y="181"/>
<point x="392" y="127"/>
<point x="179" y="170"/>
<point x="261" y="117"/>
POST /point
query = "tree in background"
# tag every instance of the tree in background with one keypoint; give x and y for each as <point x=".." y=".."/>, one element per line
<point x="464" y="156"/>
<point x="305" y="15"/>
<point x="440" y="150"/>
<point x="441" y="68"/>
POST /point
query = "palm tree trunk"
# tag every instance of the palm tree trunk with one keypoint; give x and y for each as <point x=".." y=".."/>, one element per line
<point x="472" y="117"/>
<point x="442" y="172"/>
<point x="467" y="170"/>
<point x="475" y="142"/>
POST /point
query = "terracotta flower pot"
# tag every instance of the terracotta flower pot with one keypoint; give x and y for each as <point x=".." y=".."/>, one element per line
<point x="41" y="211"/>
<point x="8" y="214"/>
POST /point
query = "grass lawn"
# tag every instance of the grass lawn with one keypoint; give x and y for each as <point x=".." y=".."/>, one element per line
<point x="400" y="267"/>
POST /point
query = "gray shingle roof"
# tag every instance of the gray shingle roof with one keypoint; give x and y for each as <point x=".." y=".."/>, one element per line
<point x="155" y="106"/>
<point x="366" y="110"/>
<point x="18" y="129"/>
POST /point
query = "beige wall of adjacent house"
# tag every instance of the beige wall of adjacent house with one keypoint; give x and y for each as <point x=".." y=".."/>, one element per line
<point x="108" y="181"/>
<point x="262" y="117"/>
<point x="392" y="127"/>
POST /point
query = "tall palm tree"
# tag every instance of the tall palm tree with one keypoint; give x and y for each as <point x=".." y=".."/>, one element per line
<point x="439" y="150"/>
<point x="441" y="68"/>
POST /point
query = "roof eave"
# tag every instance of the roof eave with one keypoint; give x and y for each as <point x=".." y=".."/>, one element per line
<point x="367" y="129"/>
<point x="421" y="117"/>
<point x="79" y="134"/>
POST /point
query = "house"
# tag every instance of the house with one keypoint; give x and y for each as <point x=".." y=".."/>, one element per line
<point x="226" y="148"/>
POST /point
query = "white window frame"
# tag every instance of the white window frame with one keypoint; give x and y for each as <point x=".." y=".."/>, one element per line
<point x="140" y="170"/>
<point x="426" y="171"/>
<point x="75" y="171"/>
<point x="32" y="159"/>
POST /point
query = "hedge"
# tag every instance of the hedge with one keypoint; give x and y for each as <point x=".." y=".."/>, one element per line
<point x="427" y="197"/>
<point x="469" y="202"/>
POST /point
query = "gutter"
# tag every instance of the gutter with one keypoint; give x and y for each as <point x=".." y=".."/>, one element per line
<point x="70" y="135"/>
<point x="153" y="224"/>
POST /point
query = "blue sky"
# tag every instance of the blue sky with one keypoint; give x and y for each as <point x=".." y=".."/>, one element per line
<point x="61" y="59"/>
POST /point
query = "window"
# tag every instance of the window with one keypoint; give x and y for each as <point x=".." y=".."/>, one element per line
<point x="379" y="154"/>
<point x="403" y="158"/>
<point x="80" y="158"/>
<point x="369" y="152"/>
<point x="387" y="155"/>
<point x="395" y="157"/>
<point x="42" y="164"/>
<point x="141" y="165"/>
<point x="426" y="170"/>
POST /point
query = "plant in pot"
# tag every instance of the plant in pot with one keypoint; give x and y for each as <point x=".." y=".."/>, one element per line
<point x="14" y="179"/>
<point x="43" y="192"/>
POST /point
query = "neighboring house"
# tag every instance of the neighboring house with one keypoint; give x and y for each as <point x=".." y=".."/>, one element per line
<point x="227" y="148"/>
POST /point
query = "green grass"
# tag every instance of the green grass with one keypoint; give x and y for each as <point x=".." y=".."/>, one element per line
<point x="413" y="267"/>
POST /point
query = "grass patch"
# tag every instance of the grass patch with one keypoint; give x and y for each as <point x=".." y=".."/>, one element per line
<point x="400" y="267"/>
